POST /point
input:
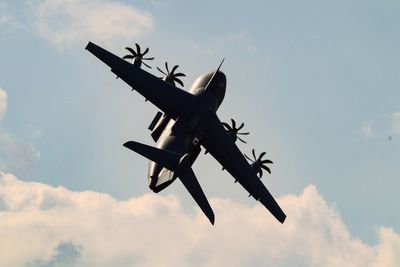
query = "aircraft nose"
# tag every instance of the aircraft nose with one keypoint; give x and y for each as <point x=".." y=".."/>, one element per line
<point x="219" y="87"/>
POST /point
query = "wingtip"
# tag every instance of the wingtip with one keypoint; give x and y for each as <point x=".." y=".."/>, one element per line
<point x="130" y="145"/>
<point x="212" y="219"/>
<point x="89" y="44"/>
<point x="126" y="144"/>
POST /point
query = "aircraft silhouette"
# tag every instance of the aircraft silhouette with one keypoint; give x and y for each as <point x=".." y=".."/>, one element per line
<point x="188" y="121"/>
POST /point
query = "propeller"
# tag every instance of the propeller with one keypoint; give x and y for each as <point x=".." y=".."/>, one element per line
<point x="258" y="164"/>
<point x="170" y="76"/>
<point x="137" y="57"/>
<point x="233" y="131"/>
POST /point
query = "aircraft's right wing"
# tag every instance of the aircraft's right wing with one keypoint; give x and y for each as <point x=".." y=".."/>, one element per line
<point x="170" y="99"/>
<point x="221" y="146"/>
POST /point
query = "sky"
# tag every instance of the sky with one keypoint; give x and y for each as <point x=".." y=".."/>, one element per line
<point x="315" y="82"/>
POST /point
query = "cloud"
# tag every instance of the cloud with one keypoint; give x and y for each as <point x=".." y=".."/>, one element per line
<point x="367" y="129"/>
<point x="5" y="17"/>
<point x="66" y="254"/>
<point x="40" y="224"/>
<point x="395" y="123"/>
<point x="66" y="22"/>
<point x="15" y="155"/>
<point x="3" y="103"/>
<point x="8" y="19"/>
<point x="386" y="126"/>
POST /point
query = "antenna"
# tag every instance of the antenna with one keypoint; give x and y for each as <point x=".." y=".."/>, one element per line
<point x="212" y="78"/>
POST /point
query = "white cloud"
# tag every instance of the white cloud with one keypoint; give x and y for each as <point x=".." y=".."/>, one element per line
<point x="15" y="156"/>
<point x="395" y="123"/>
<point x="387" y="126"/>
<point x="66" y="22"/>
<point x="3" y="103"/>
<point x="367" y="129"/>
<point x="4" y="16"/>
<point x="7" y="18"/>
<point x="42" y="225"/>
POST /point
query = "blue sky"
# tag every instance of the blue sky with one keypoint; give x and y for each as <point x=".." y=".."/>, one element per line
<point x="315" y="82"/>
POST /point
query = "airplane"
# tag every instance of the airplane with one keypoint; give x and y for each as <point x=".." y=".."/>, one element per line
<point x="187" y="121"/>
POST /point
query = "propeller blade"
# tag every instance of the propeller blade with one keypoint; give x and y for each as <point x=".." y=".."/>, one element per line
<point x="261" y="155"/>
<point x="146" y="65"/>
<point x="179" y="74"/>
<point x="166" y="66"/>
<point x="227" y="126"/>
<point x="248" y="158"/>
<point x="241" y="126"/>
<point x="266" y="161"/>
<point x="137" y="49"/>
<point x="145" y="51"/>
<point x="161" y="71"/>
<point x="148" y="58"/>
<point x="178" y="81"/>
<point x="131" y="50"/>
<point x="128" y="57"/>
<point x="266" y="168"/>
<point x="254" y="154"/>
<point x="241" y="140"/>
<point x="233" y="123"/>
<point x="260" y="172"/>
<point x="244" y="133"/>
<point x="174" y="68"/>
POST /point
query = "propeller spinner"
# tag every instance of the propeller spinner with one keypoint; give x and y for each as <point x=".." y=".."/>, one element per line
<point x="137" y="57"/>
<point x="258" y="164"/>
<point x="233" y="131"/>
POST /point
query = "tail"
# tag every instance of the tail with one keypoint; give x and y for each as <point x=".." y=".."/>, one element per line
<point x="182" y="169"/>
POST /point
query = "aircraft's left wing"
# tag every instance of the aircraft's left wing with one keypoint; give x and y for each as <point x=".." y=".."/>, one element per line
<point x="170" y="99"/>
<point x="222" y="147"/>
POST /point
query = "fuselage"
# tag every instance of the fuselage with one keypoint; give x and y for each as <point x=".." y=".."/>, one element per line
<point x="182" y="135"/>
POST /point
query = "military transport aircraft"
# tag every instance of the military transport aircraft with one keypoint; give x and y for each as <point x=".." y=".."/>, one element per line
<point x="187" y="121"/>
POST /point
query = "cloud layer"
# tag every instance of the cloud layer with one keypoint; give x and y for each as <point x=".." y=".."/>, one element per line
<point x="66" y="22"/>
<point x="15" y="155"/>
<point x="42" y="225"/>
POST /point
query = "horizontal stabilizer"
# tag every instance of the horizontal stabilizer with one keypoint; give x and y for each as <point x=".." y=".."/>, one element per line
<point x="181" y="166"/>
<point x="188" y="178"/>
<point x="165" y="158"/>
